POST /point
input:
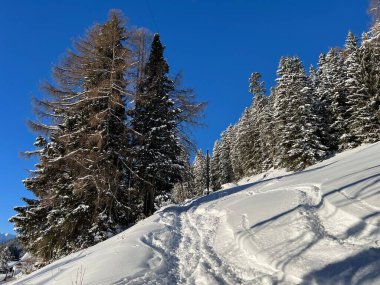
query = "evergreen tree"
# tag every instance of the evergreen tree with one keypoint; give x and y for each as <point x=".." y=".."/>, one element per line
<point x="332" y="94"/>
<point x="200" y="173"/>
<point x="216" y="167"/>
<point x="364" y="87"/>
<point x="353" y="84"/>
<point x="370" y="54"/>
<point x="155" y="120"/>
<point x="322" y="124"/>
<point x="243" y="143"/>
<point x="313" y="78"/>
<point x="266" y="133"/>
<point x="226" y="172"/>
<point x="298" y="145"/>
<point x="80" y="183"/>
<point x="236" y="161"/>
<point x="5" y="257"/>
<point x="255" y="154"/>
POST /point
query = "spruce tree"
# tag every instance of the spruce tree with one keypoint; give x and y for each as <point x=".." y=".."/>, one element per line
<point x="155" y="119"/>
<point x="332" y="94"/>
<point x="200" y="173"/>
<point x="80" y="183"/>
<point x="226" y="171"/>
<point x="243" y="143"/>
<point x="5" y="257"/>
<point x="236" y="161"/>
<point x="266" y="133"/>
<point x="216" y="176"/>
<point x="298" y="144"/>
<point x="353" y="84"/>
<point x="255" y="154"/>
<point x="364" y="90"/>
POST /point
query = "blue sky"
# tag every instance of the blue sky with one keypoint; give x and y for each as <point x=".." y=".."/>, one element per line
<point x="217" y="44"/>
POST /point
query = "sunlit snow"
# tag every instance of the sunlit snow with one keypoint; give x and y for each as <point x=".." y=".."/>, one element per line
<point x="318" y="226"/>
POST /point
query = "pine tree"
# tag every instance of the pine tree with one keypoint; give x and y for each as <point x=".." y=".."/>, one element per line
<point x="298" y="145"/>
<point x="80" y="182"/>
<point x="226" y="171"/>
<point x="364" y="87"/>
<point x="353" y="85"/>
<point x="332" y="94"/>
<point x="200" y="173"/>
<point x="255" y="154"/>
<point x="266" y="133"/>
<point x="236" y="161"/>
<point x="155" y="120"/>
<point x="243" y="143"/>
<point x="5" y="257"/>
<point x="216" y="167"/>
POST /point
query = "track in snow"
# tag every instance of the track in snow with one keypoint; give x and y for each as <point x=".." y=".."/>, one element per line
<point x="201" y="245"/>
<point x="317" y="226"/>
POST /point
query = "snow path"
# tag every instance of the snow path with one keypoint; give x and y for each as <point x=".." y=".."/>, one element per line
<point x="318" y="226"/>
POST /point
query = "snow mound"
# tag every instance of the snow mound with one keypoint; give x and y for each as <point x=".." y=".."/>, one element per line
<point x="318" y="226"/>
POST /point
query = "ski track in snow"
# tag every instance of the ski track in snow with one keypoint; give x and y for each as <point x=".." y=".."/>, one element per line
<point x="303" y="228"/>
<point x="186" y="244"/>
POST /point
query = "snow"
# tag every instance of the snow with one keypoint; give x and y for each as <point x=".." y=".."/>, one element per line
<point x="318" y="226"/>
<point x="2" y="277"/>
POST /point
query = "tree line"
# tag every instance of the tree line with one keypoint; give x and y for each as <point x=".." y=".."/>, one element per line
<point x="307" y="117"/>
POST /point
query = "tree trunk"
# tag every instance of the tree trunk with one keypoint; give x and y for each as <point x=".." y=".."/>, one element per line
<point x="149" y="200"/>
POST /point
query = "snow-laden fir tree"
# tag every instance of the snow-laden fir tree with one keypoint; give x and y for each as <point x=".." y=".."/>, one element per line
<point x="200" y="173"/>
<point x="226" y="171"/>
<point x="298" y="145"/>
<point x="80" y="181"/>
<point x="364" y="85"/>
<point x="354" y="85"/>
<point x="155" y="119"/>
<point x="243" y="144"/>
<point x="236" y="160"/>
<point x="255" y="154"/>
<point x="215" y="169"/>
<point x="332" y="94"/>
<point x="266" y="132"/>
<point x="5" y="258"/>
<point x="251" y="141"/>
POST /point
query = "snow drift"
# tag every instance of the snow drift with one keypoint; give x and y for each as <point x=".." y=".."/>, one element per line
<point x="318" y="226"/>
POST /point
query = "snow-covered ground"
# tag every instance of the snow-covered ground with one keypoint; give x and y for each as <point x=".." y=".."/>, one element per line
<point x="318" y="226"/>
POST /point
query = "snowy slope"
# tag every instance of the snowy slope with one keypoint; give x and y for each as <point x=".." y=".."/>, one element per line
<point x="5" y="237"/>
<point x="319" y="226"/>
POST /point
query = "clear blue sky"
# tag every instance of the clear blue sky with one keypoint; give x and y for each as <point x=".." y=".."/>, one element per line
<point x="217" y="44"/>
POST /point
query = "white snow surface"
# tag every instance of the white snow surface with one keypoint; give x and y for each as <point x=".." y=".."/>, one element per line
<point x="318" y="226"/>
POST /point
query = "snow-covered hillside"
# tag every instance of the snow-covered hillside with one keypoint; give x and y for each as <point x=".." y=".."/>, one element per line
<point x="318" y="226"/>
<point x="6" y="237"/>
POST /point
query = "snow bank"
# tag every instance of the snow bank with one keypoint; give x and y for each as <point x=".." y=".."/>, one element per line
<point x="318" y="226"/>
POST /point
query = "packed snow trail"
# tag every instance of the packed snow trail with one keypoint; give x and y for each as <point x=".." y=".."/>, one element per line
<point x="318" y="226"/>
